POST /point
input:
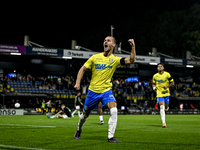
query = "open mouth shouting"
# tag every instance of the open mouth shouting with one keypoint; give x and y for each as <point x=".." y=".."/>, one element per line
<point x="105" y="47"/>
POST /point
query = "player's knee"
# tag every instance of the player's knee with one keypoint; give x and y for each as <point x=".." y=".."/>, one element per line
<point x="113" y="114"/>
<point x="111" y="105"/>
<point x="162" y="107"/>
<point x="161" y="103"/>
<point x="85" y="115"/>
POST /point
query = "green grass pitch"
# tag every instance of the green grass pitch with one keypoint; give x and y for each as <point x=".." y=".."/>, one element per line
<point x="135" y="132"/>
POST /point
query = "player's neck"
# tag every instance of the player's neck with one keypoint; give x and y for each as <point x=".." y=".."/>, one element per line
<point x="107" y="53"/>
<point x="161" y="72"/>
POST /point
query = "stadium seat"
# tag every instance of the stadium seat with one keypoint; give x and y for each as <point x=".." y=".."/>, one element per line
<point x="12" y="89"/>
<point x="115" y="95"/>
<point x="8" y="86"/>
<point x="58" y="96"/>
<point x="19" y="90"/>
<point x="38" y="109"/>
<point x="65" y="96"/>
<point x="54" y="94"/>
<point x="53" y="110"/>
<point x="23" y="90"/>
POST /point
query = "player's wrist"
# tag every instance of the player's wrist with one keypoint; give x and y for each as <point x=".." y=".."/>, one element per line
<point x="154" y="87"/>
<point x="133" y="47"/>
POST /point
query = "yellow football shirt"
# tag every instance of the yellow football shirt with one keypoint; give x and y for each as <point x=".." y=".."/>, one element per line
<point x="102" y="71"/>
<point x="162" y="80"/>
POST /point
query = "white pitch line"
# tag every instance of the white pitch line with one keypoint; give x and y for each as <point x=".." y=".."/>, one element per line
<point x="29" y="125"/>
<point x="12" y="127"/>
<point x="10" y="146"/>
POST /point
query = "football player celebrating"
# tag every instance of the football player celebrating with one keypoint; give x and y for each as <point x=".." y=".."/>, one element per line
<point x="103" y="65"/>
<point x="162" y="81"/>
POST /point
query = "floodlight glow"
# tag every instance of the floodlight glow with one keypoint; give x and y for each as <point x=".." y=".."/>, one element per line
<point x="64" y="57"/>
<point x="189" y="66"/>
<point x="153" y="63"/>
<point x="15" y="53"/>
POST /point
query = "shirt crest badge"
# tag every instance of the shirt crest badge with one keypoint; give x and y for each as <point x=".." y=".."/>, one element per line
<point x="110" y="60"/>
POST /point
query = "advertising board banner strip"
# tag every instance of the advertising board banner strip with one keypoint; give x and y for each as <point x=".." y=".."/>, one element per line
<point x="44" y="51"/>
<point x="11" y="112"/>
<point x="78" y="54"/>
<point x="86" y="55"/>
<point x="173" y="61"/>
<point x="193" y="62"/>
<point x="12" y="49"/>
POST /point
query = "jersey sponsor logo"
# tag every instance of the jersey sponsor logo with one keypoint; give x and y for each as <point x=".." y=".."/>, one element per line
<point x="99" y="60"/>
<point x="110" y="95"/>
<point x="102" y="66"/>
<point x="161" y="81"/>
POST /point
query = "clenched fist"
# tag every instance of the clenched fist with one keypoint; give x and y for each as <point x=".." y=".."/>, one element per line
<point x="131" y="42"/>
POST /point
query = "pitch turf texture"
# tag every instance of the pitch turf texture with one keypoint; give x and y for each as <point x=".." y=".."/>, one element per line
<point x="135" y="132"/>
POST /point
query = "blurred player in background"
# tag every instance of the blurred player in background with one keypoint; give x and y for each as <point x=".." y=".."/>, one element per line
<point x="49" y="106"/>
<point x="162" y="81"/>
<point x="77" y="103"/>
<point x="65" y="112"/>
<point x="43" y="106"/>
<point x="103" y="66"/>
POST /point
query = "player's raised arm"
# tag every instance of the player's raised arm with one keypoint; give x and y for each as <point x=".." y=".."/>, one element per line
<point x="79" y="77"/>
<point x="133" y="53"/>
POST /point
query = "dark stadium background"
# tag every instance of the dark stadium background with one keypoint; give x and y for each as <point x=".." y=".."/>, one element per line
<point x="170" y="26"/>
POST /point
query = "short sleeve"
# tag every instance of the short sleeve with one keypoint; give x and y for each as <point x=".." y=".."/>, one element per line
<point x="170" y="78"/>
<point x="89" y="62"/>
<point x="118" y="61"/>
<point x="154" y="79"/>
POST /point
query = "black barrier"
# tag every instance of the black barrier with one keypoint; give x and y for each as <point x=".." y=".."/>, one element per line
<point x="174" y="61"/>
<point x="193" y="62"/>
<point x="44" y="51"/>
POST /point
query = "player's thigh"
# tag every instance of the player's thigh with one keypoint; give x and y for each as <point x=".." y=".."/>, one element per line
<point x="161" y="100"/>
<point x="167" y="100"/>
<point x="108" y="100"/>
<point x="100" y="105"/>
<point x="111" y="104"/>
<point x="91" y="102"/>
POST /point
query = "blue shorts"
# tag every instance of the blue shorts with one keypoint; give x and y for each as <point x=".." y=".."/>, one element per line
<point x="165" y="99"/>
<point x="93" y="99"/>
